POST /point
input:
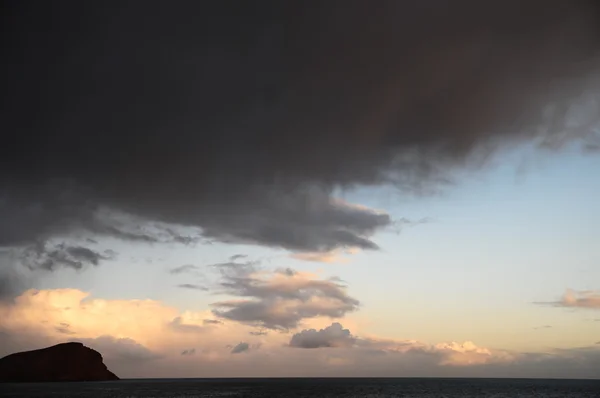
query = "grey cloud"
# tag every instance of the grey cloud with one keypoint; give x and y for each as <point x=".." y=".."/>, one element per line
<point x="331" y="336"/>
<point x="237" y="257"/>
<point x="183" y="269"/>
<point x="279" y="300"/>
<point x="11" y="280"/>
<point x="587" y="299"/>
<point x="543" y="327"/>
<point x="47" y="257"/>
<point x="189" y="352"/>
<point x="239" y="348"/>
<point x="399" y="224"/>
<point x="193" y="287"/>
<point x="286" y="271"/>
<point x="245" y="119"/>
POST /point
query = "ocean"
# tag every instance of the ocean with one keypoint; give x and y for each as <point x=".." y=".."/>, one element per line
<point x="312" y="387"/>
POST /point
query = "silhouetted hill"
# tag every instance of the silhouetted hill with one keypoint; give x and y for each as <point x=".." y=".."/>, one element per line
<point x="62" y="362"/>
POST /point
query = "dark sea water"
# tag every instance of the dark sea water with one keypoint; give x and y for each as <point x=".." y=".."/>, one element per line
<point x="295" y="388"/>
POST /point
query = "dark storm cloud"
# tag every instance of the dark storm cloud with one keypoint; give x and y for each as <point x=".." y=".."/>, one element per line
<point x="332" y="336"/>
<point x="279" y="300"/>
<point x="239" y="348"/>
<point x="242" y="117"/>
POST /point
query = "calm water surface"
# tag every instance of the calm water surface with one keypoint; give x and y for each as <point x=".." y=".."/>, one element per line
<point x="356" y="387"/>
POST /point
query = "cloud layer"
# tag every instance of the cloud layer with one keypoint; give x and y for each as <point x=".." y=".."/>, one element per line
<point x="136" y="340"/>
<point x="242" y="120"/>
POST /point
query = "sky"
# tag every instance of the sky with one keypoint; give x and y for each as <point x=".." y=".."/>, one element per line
<point x="326" y="189"/>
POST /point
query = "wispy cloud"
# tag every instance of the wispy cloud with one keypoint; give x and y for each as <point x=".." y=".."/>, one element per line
<point x="183" y="269"/>
<point x="237" y="257"/>
<point x="188" y="352"/>
<point x="588" y="299"/>
<point x="330" y="257"/>
<point x="193" y="287"/>
<point x="49" y="257"/>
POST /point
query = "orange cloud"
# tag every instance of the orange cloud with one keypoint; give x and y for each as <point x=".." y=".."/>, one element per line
<point x="329" y="257"/>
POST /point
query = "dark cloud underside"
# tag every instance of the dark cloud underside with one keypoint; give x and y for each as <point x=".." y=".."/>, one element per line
<point x="241" y="117"/>
<point x="332" y="336"/>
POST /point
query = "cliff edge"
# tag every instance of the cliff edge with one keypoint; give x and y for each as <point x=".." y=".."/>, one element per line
<point x="62" y="362"/>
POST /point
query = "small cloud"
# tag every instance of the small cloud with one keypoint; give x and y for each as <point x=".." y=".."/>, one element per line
<point x="588" y="299"/>
<point x="329" y="257"/>
<point x="332" y="336"/>
<point x="258" y="333"/>
<point x="237" y="257"/>
<point x="286" y="271"/>
<point x="211" y="322"/>
<point x="241" y="347"/>
<point x="183" y="269"/>
<point x="543" y="327"/>
<point x="398" y="225"/>
<point x="193" y="287"/>
<point x="189" y="352"/>
<point x="178" y="324"/>
<point x="64" y="330"/>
